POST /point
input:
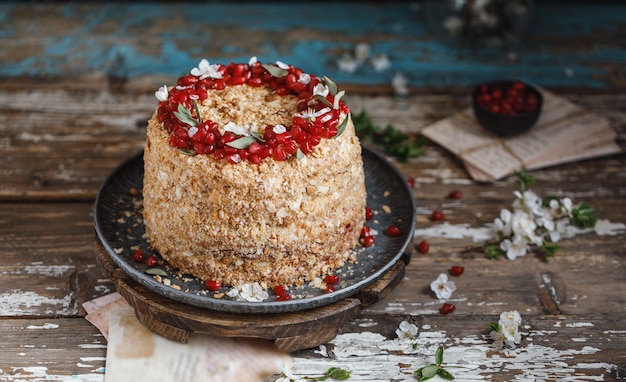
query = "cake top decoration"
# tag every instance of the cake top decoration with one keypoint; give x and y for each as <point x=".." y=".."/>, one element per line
<point x="311" y="106"/>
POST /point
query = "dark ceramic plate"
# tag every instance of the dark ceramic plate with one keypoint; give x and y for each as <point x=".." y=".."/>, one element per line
<point x="119" y="226"/>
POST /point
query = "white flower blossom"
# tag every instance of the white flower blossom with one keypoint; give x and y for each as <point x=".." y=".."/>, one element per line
<point x="321" y="89"/>
<point x="515" y="248"/>
<point x="205" y="70"/>
<point x="310" y="114"/>
<point x="192" y="131"/>
<point x="253" y="60"/>
<point x="282" y="65"/>
<point x="347" y="63"/>
<point x="280" y="129"/>
<point x="513" y="317"/>
<point x="503" y="223"/>
<point x="442" y="287"/>
<point x="304" y="78"/>
<point x="406" y="330"/>
<point x="236" y="129"/>
<point x="399" y="85"/>
<point x="248" y="292"/>
<point x="162" y="93"/>
<point x="381" y="62"/>
<point x="507" y="333"/>
<point x="361" y="51"/>
<point x="528" y="202"/>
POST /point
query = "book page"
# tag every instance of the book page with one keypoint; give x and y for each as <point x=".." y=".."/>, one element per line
<point x="565" y="132"/>
<point x="134" y="353"/>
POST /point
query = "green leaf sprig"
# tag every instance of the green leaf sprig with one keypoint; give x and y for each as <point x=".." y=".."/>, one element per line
<point x="525" y="179"/>
<point x="584" y="216"/>
<point x="336" y="373"/>
<point x="425" y="373"/>
<point x="392" y="140"/>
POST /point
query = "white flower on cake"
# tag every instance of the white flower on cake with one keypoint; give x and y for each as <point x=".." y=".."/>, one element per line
<point x="442" y="287"/>
<point x="406" y="331"/>
<point x="253" y="60"/>
<point x="310" y="114"/>
<point x="236" y="129"/>
<point x="280" y="129"/>
<point x="248" y="292"/>
<point x="282" y="65"/>
<point x="205" y="70"/>
<point x="162" y="93"/>
<point x="192" y="131"/>
<point x="304" y="78"/>
<point x="321" y="90"/>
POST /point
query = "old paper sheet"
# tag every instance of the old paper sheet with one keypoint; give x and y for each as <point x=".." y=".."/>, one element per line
<point x="565" y="132"/>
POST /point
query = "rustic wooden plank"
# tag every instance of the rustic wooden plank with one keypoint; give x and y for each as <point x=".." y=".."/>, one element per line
<point x="48" y="264"/>
<point x="64" y="149"/>
<point x="133" y="40"/>
<point x="51" y="350"/>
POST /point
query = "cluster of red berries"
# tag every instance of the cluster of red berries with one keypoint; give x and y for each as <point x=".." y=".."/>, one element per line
<point x="513" y="99"/>
<point x="304" y="133"/>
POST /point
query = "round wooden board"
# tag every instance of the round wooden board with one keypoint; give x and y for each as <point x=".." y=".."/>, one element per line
<point x="290" y="331"/>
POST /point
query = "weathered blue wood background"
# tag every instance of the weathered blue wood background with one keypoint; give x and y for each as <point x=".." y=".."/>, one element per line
<point x="580" y="44"/>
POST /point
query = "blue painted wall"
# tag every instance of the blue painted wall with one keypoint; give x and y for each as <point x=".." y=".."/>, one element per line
<point x="566" y="45"/>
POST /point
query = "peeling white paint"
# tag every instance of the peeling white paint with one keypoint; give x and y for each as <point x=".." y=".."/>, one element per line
<point x="40" y="373"/>
<point x="372" y="357"/>
<point x="18" y="303"/>
<point x="579" y="324"/>
<point x="44" y="326"/>
<point x="457" y="231"/>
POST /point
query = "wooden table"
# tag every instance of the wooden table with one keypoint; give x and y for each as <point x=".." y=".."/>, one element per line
<point x="76" y="89"/>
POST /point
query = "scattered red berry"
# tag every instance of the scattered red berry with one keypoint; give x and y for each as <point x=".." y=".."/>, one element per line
<point x="138" y="256"/>
<point x="283" y="297"/>
<point x="212" y="285"/>
<point x="437" y="216"/>
<point x="366" y="232"/>
<point x="369" y="214"/>
<point x="456" y="270"/>
<point x="456" y="194"/>
<point x="368" y="241"/>
<point x="279" y="289"/>
<point x="152" y="261"/>
<point x="447" y="308"/>
<point x="393" y="231"/>
<point x="423" y="247"/>
<point x="330" y="288"/>
<point x="331" y="279"/>
<point x="411" y="182"/>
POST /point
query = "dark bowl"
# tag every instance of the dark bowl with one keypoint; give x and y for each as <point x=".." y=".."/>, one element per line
<point x="506" y="108"/>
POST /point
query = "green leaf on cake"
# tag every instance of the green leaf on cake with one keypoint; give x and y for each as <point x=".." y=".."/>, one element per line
<point x="242" y="143"/>
<point x="257" y="136"/>
<point x="184" y="115"/>
<point x="332" y="87"/>
<point x="274" y="70"/>
<point x="342" y="127"/>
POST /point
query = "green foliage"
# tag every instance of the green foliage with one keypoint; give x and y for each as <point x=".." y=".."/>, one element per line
<point x="391" y="140"/>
